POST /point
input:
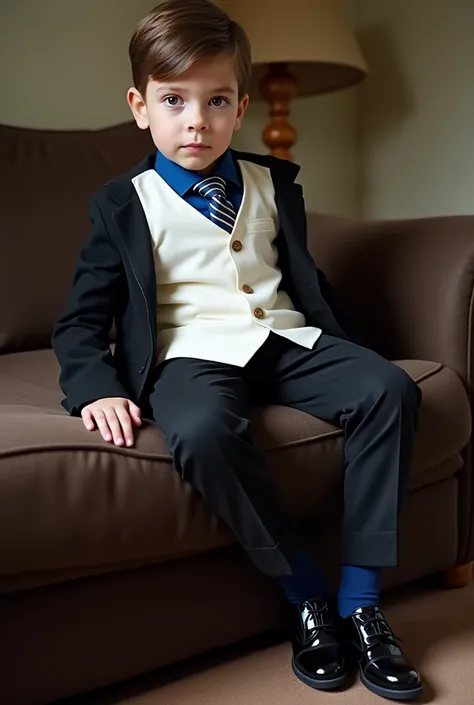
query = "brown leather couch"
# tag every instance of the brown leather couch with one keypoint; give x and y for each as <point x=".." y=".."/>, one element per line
<point x="110" y="566"/>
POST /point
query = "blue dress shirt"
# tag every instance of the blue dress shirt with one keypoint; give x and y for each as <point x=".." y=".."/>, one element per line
<point x="182" y="181"/>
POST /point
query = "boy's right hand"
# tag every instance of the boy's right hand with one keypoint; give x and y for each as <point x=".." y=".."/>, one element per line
<point x="114" y="417"/>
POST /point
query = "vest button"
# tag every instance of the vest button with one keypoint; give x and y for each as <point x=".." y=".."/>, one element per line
<point x="259" y="313"/>
<point x="236" y="245"/>
<point x="247" y="289"/>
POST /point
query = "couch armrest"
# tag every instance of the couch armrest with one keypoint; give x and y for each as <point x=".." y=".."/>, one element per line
<point x="408" y="288"/>
<point x="407" y="285"/>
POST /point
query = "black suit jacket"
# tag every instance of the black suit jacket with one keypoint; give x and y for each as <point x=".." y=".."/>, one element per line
<point x="115" y="281"/>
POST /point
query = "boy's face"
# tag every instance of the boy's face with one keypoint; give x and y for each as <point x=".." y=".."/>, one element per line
<point x="192" y="117"/>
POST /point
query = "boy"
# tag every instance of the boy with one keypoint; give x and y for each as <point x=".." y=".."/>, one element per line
<point x="199" y="255"/>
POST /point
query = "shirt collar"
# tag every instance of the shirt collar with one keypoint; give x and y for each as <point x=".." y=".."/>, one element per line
<point x="227" y="168"/>
<point x="182" y="180"/>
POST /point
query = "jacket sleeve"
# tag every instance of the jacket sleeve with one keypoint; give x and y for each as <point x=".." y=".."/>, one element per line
<point x="335" y="304"/>
<point x="81" y="336"/>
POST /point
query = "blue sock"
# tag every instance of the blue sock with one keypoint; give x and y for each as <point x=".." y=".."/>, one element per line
<point x="306" y="582"/>
<point x="360" y="587"/>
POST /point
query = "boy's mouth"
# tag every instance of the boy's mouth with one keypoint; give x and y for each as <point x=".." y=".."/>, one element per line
<point x="195" y="147"/>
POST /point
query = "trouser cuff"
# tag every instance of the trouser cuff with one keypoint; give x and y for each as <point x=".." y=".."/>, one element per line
<point x="375" y="550"/>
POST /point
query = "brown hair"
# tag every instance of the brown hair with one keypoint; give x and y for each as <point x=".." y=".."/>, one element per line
<point x="178" y="33"/>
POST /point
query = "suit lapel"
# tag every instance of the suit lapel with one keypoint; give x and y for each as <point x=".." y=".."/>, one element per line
<point x="135" y="236"/>
<point x="134" y="232"/>
<point x="290" y="206"/>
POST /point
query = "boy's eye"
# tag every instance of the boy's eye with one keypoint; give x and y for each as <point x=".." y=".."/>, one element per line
<point x="218" y="101"/>
<point x="172" y="100"/>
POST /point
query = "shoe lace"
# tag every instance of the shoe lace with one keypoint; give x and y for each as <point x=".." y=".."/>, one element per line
<point x="375" y="630"/>
<point x="320" y="618"/>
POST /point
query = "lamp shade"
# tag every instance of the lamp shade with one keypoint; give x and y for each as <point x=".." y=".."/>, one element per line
<point x="312" y="36"/>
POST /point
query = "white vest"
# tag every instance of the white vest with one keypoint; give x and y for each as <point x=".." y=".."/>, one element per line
<point x="217" y="294"/>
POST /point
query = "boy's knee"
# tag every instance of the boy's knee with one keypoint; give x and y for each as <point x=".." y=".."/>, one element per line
<point x="397" y="386"/>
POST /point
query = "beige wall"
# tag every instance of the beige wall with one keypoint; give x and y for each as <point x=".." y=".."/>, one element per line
<point x="416" y="111"/>
<point x="64" y="65"/>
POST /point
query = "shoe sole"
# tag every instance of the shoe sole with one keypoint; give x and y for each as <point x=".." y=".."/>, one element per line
<point x="391" y="694"/>
<point x="332" y="684"/>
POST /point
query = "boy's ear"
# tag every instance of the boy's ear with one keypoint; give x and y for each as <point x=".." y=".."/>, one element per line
<point x="138" y="108"/>
<point x="243" y="105"/>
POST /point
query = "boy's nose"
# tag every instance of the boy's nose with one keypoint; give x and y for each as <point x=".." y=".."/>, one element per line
<point x="197" y="127"/>
<point x="197" y="123"/>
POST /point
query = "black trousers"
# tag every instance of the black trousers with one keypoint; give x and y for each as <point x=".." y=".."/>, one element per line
<point x="202" y="409"/>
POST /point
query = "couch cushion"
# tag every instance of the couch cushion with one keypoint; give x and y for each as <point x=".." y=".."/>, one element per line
<point x="71" y="504"/>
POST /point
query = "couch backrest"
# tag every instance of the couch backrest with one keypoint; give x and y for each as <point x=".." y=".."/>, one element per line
<point x="46" y="181"/>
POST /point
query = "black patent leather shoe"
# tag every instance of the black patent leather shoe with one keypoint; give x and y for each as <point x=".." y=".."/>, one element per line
<point x="384" y="669"/>
<point x="318" y="659"/>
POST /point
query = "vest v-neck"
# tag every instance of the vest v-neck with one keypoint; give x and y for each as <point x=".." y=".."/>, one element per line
<point x="198" y="214"/>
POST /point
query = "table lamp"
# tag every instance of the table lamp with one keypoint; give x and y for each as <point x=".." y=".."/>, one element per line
<point x="299" y="47"/>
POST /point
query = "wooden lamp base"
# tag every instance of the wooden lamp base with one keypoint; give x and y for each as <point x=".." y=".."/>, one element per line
<point x="278" y="87"/>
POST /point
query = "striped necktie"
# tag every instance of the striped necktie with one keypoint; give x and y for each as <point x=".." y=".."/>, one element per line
<point x="221" y="210"/>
